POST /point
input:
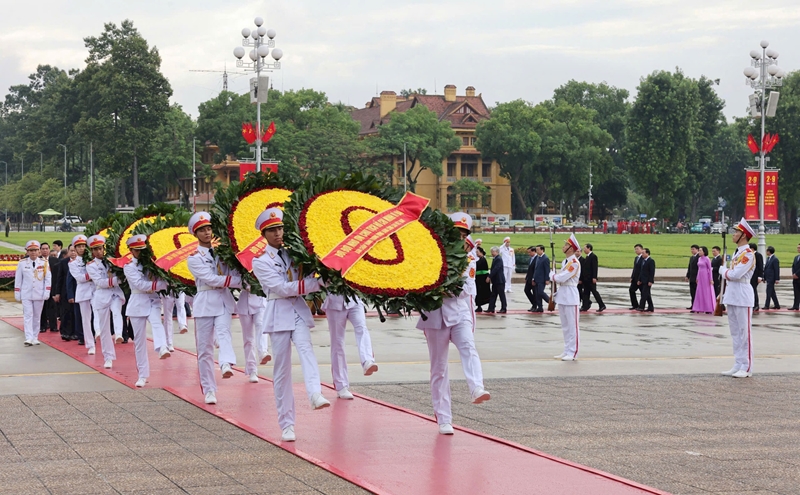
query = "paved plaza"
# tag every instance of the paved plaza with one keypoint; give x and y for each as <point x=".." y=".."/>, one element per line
<point x="645" y="401"/>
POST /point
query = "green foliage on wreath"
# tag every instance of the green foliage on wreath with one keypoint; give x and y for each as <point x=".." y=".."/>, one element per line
<point x="435" y="219"/>
<point x="224" y="201"/>
<point x="178" y="219"/>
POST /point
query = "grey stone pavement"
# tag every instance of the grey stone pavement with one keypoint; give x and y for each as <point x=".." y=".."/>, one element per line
<point x="645" y="401"/>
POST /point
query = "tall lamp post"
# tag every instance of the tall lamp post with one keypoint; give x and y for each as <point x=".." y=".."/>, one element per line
<point x="6" y="164"/>
<point x="405" y="174"/>
<point x="259" y="87"/>
<point x="589" y="211"/>
<point x="65" y="180"/>
<point x="763" y="74"/>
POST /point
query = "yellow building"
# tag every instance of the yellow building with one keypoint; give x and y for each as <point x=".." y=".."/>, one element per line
<point x="225" y="173"/>
<point x="463" y="113"/>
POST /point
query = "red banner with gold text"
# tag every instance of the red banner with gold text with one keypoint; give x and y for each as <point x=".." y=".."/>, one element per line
<point x="771" y="196"/>
<point x="751" y="195"/>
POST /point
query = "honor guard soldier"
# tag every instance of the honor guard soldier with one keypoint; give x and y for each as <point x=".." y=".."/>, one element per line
<point x="32" y="288"/>
<point x="177" y="302"/>
<point x="738" y="300"/>
<point x="453" y="322"/>
<point x="470" y="287"/>
<point x="568" y="299"/>
<point x="84" y="290"/>
<point x="287" y="319"/>
<point x="338" y="311"/>
<point x="250" y="309"/>
<point x="213" y="306"/>
<point x="143" y="305"/>
<point x="107" y="300"/>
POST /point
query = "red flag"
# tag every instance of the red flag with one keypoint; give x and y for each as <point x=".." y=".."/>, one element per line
<point x="248" y="133"/>
<point x="751" y="143"/>
<point x="770" y="142"/>
<point x="268" y="133"/>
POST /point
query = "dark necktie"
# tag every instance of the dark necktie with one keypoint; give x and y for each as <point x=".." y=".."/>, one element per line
<point x="283" y="258"/>
<point x="211" y="252"/>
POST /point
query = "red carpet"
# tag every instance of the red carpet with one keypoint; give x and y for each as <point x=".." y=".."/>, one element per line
<point x="378" y="446"/>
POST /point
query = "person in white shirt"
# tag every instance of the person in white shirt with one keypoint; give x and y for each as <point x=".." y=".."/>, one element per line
<point x="143" y="305"/>
<point x="84" y="290"/>
<point x="568" y="299"/>
<point x="213" y="306"/>
<point x="250" y="309"/>
<point x="453" y="322"/>
<point x="338" y="311"/>
<point x="509" y="261"/>
<point x="107" y="300"/>
<point x="738" y="300"/>
<point x="287" y="319"/>
<point x="170" y="301"/>
<point x="32" y="288"/>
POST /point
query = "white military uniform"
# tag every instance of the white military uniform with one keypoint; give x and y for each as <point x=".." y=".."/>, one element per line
<point x="568" y="301"/>
<point x="212" y="313"/>
<point x="470" y="288"/>
<point x="287" y="319"/>
<point x="509" y="263"/>
<point x="143" y="305"/>
<point x="107" y="302"/>
<point x="32" y="288"/>
<point x="338" y="311"/>
<point x="250" y="309"/>
<point x="179" y="303"/>
<point x="84" y="290"/>
<point x="738" y="302"/>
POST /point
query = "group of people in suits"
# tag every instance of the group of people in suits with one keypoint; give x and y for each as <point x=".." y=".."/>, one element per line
<point x="642" y="280"/>
<point x="536" y="278"/>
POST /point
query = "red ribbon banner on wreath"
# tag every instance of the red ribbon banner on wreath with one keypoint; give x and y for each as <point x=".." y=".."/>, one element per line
<point x="379" y="227"/>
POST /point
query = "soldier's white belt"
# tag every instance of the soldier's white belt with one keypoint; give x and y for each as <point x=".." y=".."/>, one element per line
<point x="204" y="288"/>
<point x="738" y="282"/>
<point x="134" y="291"/>
<point x="272" y="296"/>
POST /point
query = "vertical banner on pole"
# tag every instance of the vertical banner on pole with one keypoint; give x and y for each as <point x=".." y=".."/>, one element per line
<point x="771" y="196"/>
<point x="751" y="195"/>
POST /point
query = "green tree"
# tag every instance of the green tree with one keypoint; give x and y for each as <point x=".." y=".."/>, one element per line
<point x="468" y="189"/>
<point x="131" y="96"/>
<point x="220" y="122"/>
<point x="730" y="150"/>
<point x="171" y="155"/>
<point x="405" y="93"/>
<point x="427" y="140"/>
<point x="660" y="136"/>
<point x="786" y="155"/>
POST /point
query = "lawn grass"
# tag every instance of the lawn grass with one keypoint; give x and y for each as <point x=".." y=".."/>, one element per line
<point x="20" y="238"/>
<point x="616" y="251"/>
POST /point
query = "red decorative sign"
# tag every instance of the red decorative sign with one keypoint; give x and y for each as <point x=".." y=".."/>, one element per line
<point x="771" y="195"/>
<point x="379" y="227"/>
<point x="174" y="257"/>
<point x="247" y="167"/>
<point x="751" y="195"/>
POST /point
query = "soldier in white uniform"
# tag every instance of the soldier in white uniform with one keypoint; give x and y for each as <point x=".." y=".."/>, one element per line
<point x="568" y="299"/>
<point x="469" y="282"/>
<point x="32" y="288"/>
<point x="287" y="319"/>
<point x="107" y="300"/>
<point x="509" y="261"/>
<point x="170" y="301"/>
<point x="338" y="311"/>
<point x="143" y="305"/>
<point x="453" y="322"/>
<point x="739" y="299"/>
<point x="84" y="290"/>
<point x="214" y="306"/>
<point x="250" y="309"/>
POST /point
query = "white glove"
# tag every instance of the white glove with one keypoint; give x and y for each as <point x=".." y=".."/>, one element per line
<point x="552" y="274"/>
<point x="722" y="271"/>
<point x="17" y="296"/>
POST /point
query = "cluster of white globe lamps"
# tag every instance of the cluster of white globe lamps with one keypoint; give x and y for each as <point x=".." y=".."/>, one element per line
<point x="262" y="49"/>
<point x="772" y="59"/>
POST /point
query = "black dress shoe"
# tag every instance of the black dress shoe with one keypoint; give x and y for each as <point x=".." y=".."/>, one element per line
<point x="124" y="341"/>
<point x="633" y="308"/>
<point x="793" y="309"/>
<point x="765" y="307"/>
<point x="540" y="310"/>
<point x="649" y="310"/>
<point x="502" y="311"/>
<point x="640" y="309"/>
<point x="601" y="309"/>
<point x="583" y="310"/>
<point x="64" y="338"/>
<point x="479" y="310"/>
<point x="490" y="311"/>
<point x="80" y="342"/>
<point x="777" y="307"/>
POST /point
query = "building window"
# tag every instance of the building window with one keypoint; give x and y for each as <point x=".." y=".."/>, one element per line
<point x="465" y="141"/>
<point x="467" y="202"/>
<point x="451" y="199"/>
<point x="469" y="166"/>
<point x="465" y="109"/>
<point x="486" y="169"/>
<point x="451" y="167"/>
<point x="486" y="201"/>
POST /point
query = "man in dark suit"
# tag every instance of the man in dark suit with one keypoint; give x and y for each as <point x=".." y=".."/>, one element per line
<point x="498" y="280"/>
<point x="758" y="274"/>
<point x="589" y="279"/>
<point x="716" y="262"/>
<point x="646" y="279"/>
<point x="65" y="310"/>
<point x="772" y="275"/>
<point x="637" y="268"/>
<point x="691" y="272"/>
<point x="530" y="287"/>
<point x="540" y="276"/>
<point x="796" y="281"/>
<point x="49" y="318"/>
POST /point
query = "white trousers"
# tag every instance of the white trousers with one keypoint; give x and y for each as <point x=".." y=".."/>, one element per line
<point x="337" y="321"/>
<point x="32" y="317"/>
<point x="180" y="304"/>
<point x="86" y="322"/>
<point x="206" y="330"/>
<point x="570" y="327"/>
<point x="282" y="369"/>
<point x="102" y="325"/>
<point x="139" y="324"/>
<point x="438" y="345"/>
<point x="250" y="336"/>
<point x="739" y="320"/>
<point x="508" y="271"/>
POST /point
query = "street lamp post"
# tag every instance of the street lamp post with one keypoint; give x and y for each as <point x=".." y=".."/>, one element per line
<point x="763" y="74"/>
<point x="589" y="212"/>
<point x="405" y="174"/>
<point x="65" y="180"/>
<point x="6" y="164"/>
<point x="261" y="50"/>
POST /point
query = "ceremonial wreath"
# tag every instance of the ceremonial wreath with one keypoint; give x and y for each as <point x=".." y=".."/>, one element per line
<point x="169" y="245"/>
<point x="365" y="238"/>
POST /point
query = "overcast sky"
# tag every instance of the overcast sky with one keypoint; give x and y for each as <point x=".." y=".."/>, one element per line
<point x="507" y="49"/>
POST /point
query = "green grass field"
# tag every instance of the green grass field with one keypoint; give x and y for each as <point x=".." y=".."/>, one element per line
<point x="616" y="251"/>
<point x="20" y="238"/>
